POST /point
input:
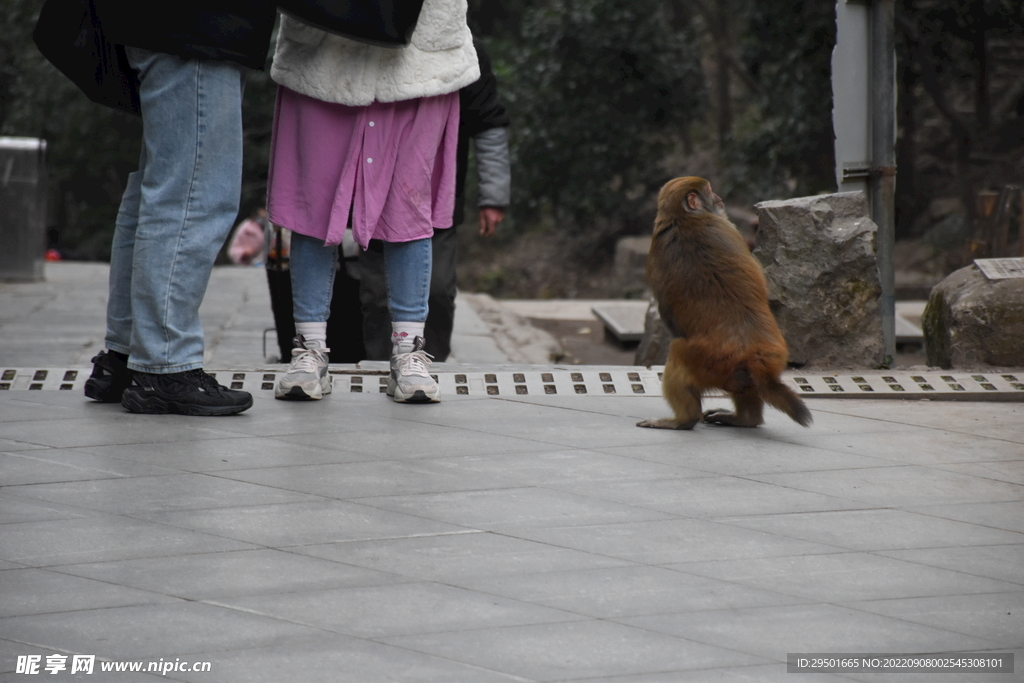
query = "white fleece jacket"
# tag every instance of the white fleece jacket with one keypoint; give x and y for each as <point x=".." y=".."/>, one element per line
<point x="439" y="59"/>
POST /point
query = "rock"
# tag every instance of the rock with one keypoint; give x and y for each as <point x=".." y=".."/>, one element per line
<point x="630" y="265"/>
<point x="653" y="348"/>
<point x="819" y="258"/>
<point x="972" y="322"/>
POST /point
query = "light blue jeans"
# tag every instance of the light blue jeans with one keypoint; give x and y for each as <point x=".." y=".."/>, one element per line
<point x="406" y="266"/>
<point x="177" y="209"/>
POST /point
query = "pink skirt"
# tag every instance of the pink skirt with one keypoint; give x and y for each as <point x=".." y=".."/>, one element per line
<point x="388" y="166"/>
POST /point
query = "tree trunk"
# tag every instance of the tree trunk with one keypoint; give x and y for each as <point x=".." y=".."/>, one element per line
<point x="982" y="107"/>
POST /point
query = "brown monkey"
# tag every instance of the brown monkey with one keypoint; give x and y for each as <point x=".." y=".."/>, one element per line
<point x="713" y="297"/>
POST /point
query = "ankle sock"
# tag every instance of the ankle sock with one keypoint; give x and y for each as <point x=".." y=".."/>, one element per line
<point x="403" y="336"/>
<point x="313" y="332"/>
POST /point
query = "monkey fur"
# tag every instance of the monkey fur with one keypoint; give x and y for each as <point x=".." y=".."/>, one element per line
<point x="712" y="295"/>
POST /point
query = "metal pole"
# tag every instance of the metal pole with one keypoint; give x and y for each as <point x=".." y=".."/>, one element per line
<point x="23" y="209"/>
<point x="883" y="154"/>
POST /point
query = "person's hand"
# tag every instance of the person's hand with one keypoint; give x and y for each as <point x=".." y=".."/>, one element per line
<point x="489" y="219"/>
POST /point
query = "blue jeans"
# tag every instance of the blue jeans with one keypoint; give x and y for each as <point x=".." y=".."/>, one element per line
<point x="177" y="209"/>
<point x="406" y="265"/>
<point x="368" y="270"/>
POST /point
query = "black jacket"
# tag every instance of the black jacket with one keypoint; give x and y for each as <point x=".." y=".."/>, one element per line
<point x="480" y="109"/>
<point x="232" y="30"/>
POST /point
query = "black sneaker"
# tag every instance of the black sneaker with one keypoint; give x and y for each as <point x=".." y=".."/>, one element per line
<point x="110" y="377"/>
<point x="184" y="393"/>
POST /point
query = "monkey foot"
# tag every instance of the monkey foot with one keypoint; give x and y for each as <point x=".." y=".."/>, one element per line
<point x="726" y="419"/>
<point x="666" y="423"/>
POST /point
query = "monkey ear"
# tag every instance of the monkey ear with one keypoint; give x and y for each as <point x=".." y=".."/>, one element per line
<point x="692" y="201"/>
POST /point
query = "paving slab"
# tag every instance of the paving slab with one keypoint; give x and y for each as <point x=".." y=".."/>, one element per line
<point x="520" y="530"/>
<point x="230" y="574"/>
<point x="332" y="658"/>
<point x="577" y="649"/>
<point x="845" y="577"/>
<point x="460" y="557"/>
<point x="810" y="628"/>
<point x="997" y="617"/>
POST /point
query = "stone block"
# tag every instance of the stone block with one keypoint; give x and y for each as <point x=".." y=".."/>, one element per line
<point x="974" y="322"/>
<point x="653" y="348"/>
<point x="819" y="258"/>
<point x="630" y="265"/>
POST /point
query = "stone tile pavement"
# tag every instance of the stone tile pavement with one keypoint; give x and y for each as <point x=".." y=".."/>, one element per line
<point x="485" y="538"/>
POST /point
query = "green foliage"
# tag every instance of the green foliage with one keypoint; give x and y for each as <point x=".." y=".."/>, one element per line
<point x="598" y="92"/>
<point x="788" y="51"/>
<point x="958" y="51"/>
<point x="961" y="106"/>
<point x="497" y="19"/>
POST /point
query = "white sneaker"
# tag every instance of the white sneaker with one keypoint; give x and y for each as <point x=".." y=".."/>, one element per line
<point x="307" y="376"/>
<point x="410" y="380"/>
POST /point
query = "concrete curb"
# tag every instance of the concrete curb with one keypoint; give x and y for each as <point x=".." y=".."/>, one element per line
<point x="520" y="341"/>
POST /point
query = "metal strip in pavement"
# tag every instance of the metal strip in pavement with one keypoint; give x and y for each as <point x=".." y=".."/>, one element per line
<point x="590" y="381"/>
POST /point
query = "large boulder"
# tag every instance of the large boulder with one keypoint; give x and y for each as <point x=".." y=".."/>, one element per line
<point x="819" y="258"/>
<point x="973" y="322"/>
<point x="653" y="348"/>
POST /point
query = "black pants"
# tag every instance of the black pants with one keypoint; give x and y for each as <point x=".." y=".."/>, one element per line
<point x="344" y="328"/>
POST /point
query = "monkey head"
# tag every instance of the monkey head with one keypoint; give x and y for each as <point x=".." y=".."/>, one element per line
<point x="689" y="196"/>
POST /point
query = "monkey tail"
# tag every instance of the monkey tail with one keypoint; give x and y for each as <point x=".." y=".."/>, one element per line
<point x="778" y="395"/>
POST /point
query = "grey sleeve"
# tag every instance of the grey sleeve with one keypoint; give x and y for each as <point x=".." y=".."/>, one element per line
<point x="494" y="174"/>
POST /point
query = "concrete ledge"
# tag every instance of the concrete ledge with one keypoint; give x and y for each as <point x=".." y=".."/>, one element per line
<point x="624" y="320"/>
<point x="578" y="380"/>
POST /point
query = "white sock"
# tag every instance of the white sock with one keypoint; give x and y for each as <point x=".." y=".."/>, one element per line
<point x="313" y="332"/>
<point x="403" y="336"/>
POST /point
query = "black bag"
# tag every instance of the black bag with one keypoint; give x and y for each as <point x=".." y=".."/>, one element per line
<point x="388" y="23"/>
<point x="69" y="35"/>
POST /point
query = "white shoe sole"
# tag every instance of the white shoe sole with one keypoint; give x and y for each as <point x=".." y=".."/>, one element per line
<point x="297" y="392"/>
<point x="416" y="396"/>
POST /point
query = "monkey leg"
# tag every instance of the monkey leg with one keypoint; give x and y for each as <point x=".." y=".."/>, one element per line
<point x="749" y="411"/>
<point x="682" y="395"/>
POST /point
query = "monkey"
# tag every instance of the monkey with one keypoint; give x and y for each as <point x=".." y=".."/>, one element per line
<point x="712" y="294"/>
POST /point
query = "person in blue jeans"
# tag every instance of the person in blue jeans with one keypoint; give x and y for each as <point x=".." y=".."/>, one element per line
<point x="178" y="208"/>
<point x="482" y="124"/>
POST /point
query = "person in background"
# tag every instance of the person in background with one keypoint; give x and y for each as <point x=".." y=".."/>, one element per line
<point x="191" y="58"/>
<point x="483" y="121"/>
<point x="250" y="242"/>
<point x="367" y="136"/>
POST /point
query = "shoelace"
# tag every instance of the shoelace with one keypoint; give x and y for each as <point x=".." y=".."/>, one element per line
<point x="204" y="381"/>
<point x="416" y="363"/>
<point x="308" y="360"/>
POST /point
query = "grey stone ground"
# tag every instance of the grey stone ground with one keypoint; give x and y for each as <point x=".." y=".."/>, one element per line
<point x="510" y="538"/>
